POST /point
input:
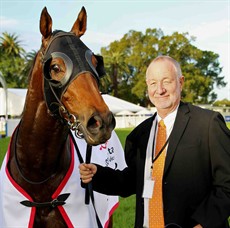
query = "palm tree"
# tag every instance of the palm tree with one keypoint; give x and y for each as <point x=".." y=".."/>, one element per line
<point x="12" y="61"/>
<point x="114" y="64"/>
<point x="10" y="45"/>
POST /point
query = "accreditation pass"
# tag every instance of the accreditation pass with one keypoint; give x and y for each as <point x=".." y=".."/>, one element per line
<point x="148" y="189"/>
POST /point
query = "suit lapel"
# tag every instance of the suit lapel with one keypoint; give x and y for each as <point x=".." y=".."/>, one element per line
<point x="145" y="134"/>
<point x="176" y="134"/>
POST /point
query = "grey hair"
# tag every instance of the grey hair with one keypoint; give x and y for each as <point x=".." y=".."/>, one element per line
<point x="170" y="59"/>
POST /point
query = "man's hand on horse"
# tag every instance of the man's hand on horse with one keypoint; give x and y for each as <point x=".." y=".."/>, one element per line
<point x="87" y="172"/>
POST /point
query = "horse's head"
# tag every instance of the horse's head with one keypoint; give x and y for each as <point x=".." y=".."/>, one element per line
<point x="71" y="77"/>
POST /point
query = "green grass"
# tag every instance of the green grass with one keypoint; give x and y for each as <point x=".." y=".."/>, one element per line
<point x="3" y="148"/>
<point x="124" y="216"/>
<point x="122" y="133"/>
<point x="228" y="125"/>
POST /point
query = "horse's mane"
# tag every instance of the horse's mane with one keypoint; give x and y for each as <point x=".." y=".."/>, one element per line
<point x="30" y="75"/>
<point x="31" y="69"/>
<point x="56" y="31"/>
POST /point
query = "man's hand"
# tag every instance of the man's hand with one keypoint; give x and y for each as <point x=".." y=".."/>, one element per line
<point x="87" y="171"/>
<point x="198" y="226"/>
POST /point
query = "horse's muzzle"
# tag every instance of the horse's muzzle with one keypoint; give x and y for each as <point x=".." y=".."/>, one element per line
<point x="99" y="128"/>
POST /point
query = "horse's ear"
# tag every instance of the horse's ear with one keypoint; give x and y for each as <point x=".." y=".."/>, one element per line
<point x="45" y="24"/>
<point x="79" y="26"/>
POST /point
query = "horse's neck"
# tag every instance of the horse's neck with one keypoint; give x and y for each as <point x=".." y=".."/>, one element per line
<point x="40" y="134"/>
<point x="41" y="138"/>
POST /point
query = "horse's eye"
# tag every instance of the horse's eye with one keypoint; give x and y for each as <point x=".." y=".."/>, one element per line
<point x="55" y="68"/>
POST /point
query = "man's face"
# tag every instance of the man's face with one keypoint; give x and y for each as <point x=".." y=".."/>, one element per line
<point x="164" y="86"/>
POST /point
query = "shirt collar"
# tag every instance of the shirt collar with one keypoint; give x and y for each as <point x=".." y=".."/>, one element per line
<point x="169" y="119"/>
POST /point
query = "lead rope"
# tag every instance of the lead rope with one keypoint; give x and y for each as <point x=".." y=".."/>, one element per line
<point x="89" y="185"/>
<point x="89" y="188"/>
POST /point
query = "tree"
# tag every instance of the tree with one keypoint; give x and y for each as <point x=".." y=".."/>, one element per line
<point x="10" y="45"/>
<point x="114" y="64"/>
<point x="200" y="68"/>
<point x="12" y="60"/>
<point x="222" y="103"/>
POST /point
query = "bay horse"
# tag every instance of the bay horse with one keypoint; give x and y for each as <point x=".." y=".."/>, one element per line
<point x="63" y="94"/>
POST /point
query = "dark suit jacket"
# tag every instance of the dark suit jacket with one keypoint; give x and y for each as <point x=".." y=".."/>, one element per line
<point x="196" y="182"/>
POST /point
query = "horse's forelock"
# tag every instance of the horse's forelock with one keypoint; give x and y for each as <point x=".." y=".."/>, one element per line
<point x="32" y="67"/>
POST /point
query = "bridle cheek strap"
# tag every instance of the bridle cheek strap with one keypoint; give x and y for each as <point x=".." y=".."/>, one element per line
<point x="78" y="60"/>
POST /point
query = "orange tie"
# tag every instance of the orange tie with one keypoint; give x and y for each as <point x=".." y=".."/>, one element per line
<point x="156" y="216"/>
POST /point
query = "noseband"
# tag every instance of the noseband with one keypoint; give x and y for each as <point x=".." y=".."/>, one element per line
<point x="77" y="58"/>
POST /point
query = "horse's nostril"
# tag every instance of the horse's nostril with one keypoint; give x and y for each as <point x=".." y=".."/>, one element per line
<point x="113" y="122"/>
<point x="94" y="122"/>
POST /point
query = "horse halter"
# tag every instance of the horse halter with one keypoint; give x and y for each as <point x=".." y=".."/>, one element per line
<point x="77" y="58"/>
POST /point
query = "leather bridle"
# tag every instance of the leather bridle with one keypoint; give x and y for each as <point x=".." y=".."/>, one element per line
<point x="78" y="60"/>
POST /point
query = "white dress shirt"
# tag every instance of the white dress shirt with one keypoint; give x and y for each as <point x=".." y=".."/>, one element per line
<point x="169" y="122"/>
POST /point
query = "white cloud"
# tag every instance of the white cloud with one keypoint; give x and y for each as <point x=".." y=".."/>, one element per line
<point x="212" y="30"/>
<point x="214" y="36"/>
<point x="98" y="39"/>
<point x="8" y="22"/>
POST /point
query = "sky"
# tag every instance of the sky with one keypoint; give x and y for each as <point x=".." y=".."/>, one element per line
<point x="109" y="20"/>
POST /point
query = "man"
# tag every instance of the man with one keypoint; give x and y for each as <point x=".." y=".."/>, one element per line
<point x="195" y="178"/>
